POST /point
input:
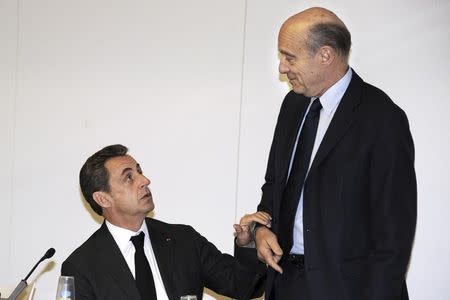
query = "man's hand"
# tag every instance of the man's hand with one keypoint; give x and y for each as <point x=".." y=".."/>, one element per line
<point x="268" y="249"/>
<point x="246" y="224"/>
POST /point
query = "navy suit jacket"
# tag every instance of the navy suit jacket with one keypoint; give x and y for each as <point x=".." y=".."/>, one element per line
<point x="186" y="260"/>
<point x="360" y="197"/>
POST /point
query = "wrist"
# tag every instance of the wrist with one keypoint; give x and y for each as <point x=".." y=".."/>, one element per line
<point x="250" y="244"/>
<point x="255" y="228"/>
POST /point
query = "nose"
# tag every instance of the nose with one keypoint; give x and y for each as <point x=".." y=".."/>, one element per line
<point x="145" y="181"/>
<point x="282" y="67"/>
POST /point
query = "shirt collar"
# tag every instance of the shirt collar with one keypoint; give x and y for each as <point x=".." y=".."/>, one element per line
<point x="122" y="236"/>
<point x="331" y="98"/>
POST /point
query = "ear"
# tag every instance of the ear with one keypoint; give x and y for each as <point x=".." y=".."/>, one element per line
<point x="102" y="198"/>
<point x="327" y="55"/>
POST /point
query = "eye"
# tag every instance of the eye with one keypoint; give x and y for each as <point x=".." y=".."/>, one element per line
<point x="290" y="59"/>
<point x="129" y="177"/>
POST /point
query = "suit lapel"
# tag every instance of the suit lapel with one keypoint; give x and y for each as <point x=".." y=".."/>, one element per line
<point x="162" y="244"/>
<point x="114" y="263"/>
<point x="295" y="111"/>
<point x="341" y="122"/>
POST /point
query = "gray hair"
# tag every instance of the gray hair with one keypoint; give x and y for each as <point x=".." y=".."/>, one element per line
<point x="329" y="34"/>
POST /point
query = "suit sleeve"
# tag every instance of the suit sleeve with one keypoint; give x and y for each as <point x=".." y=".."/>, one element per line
<point x="266" y="203"/>
<point x="83" y="289"/>
<point x="225" y="274"/>
<point x="268" y="188"/>
<point x="393" y="207"/>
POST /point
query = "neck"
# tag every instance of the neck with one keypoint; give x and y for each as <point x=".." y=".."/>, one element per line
<point x="130" y="223"/>
<point x="334" y="76"/>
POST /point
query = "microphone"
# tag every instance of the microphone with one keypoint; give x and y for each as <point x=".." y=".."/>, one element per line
<point x="50" y="252"/>
<point x="23" y="283"/>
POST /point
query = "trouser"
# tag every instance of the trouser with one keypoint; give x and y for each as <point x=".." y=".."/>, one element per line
<point x="291" y="285"/>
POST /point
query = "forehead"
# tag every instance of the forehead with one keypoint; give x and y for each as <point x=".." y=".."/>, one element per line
<point x="117" y="164"/>
<point x="291" y="38"/>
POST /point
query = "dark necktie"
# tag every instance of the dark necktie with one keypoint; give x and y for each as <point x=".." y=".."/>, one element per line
<point x="144" y="277"/>
<point x="299" y="169"/>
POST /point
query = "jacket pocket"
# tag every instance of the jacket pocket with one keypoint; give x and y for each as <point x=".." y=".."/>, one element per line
<point x="355" y="276"/>
<point x="355" y="268"/>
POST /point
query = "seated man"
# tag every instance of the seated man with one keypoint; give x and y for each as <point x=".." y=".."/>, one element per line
<point x="128" y="258"/>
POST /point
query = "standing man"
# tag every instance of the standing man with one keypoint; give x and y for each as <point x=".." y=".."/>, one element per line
<point x="138" y="258"/>
<point x="340" y="181"/>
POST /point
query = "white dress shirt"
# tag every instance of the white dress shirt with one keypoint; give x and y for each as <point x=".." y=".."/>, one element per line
<point x="122" y="237"/>
<point x="330" y="101"/>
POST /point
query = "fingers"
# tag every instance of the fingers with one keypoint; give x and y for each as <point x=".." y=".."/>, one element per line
<point x="276" y="249"/>
<point x="237" y="228"/>
<point x="259" y="217"/>
<point x="246" y="224"/>
<point x="269" y="251"/>
<point x="243" y="236"/>
<point x="275" y="255"/>
<point x="272" y="261"/>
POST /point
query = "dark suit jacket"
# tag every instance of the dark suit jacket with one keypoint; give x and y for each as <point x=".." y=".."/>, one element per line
<point x="186" y="260"/>
<point x="360" y="197"/>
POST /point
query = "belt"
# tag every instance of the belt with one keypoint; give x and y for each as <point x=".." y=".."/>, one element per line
<point x="297" y="260"/>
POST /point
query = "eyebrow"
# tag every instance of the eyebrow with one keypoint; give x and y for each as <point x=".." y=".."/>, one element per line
<point x="138" y="167"/>
<point x="286" y="53"/>
<point x="126" y="170"/>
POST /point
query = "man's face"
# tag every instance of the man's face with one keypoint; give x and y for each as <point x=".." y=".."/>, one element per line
<point x="129" y="193"/>
<point x="300" y="66"/>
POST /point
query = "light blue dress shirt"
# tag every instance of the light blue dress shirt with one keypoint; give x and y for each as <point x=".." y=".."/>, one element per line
<point x="330" y="101"/>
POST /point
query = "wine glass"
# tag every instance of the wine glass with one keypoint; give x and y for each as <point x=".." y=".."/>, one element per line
<point x="66" y="288"/>
<point x="188" y="297"/>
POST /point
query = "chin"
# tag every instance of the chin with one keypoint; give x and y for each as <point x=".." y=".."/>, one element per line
<point x="150" y="207"/>
<point x="299" y="91"/>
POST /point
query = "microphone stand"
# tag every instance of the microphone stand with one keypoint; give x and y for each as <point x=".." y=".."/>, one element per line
<point x="19" y="288"/>
<point x="17" y="291"/>
<point x="23" y="283"/>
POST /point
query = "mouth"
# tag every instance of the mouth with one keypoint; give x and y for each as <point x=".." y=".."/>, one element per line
<point x="147" y="195"/>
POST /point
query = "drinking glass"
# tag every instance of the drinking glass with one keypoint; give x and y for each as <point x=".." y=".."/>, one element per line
<point x="188" y="297"/>
<point x="66" y="288"/>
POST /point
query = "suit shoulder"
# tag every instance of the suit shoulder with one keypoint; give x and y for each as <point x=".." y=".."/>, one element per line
<point x="378" y="100"/>
<point x="381" y="111"/>
<point x="85" y="250"/>
<point x="168" y="227"/>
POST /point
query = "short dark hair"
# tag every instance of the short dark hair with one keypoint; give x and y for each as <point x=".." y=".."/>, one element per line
<point x="95" y="177"/>
<point x="330" y="34"/>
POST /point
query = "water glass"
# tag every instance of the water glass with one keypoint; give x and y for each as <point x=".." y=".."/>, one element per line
<point x="188" y="297"/>
<point x="66" y="288"/>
